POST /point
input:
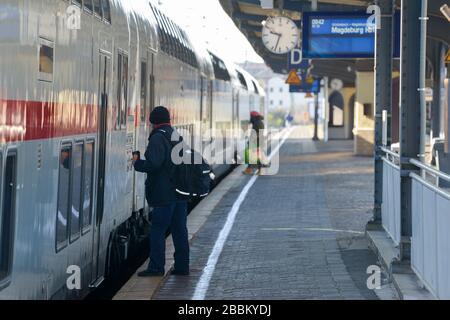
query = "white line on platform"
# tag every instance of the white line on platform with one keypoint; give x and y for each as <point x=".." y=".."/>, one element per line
<point x="203" y="283"/>
<point x="333" y="230"/>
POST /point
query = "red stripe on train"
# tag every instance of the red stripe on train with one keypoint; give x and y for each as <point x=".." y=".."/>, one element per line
<point x="31" y="120"/>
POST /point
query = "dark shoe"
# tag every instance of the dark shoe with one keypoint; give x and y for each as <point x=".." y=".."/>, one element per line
<point x="147" y="273"/>
<point x="266" y="165"/>
<point x="179" y="273"/>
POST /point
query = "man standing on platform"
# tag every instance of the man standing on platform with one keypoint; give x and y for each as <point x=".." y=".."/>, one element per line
<point x="169" y="212"/>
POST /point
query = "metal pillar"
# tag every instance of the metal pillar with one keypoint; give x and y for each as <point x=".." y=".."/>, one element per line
<point x="410" y="114"/>
<point x="422" y="79"/>
<point x="316" y="117"/>
<point x="383" y="94"/>
<point x="326" y="108"/>
<point x="438" y="84"/>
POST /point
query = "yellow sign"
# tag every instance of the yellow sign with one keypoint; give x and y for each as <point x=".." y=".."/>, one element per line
<point x="293" y="78"/>
<point x="447" y="57"/>
<point x="309" y="80"/>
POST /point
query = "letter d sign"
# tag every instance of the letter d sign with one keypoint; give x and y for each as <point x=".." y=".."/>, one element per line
<point x="296" y="56"/>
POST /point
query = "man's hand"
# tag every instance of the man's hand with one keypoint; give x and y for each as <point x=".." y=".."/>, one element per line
<point x="136" y="156"/>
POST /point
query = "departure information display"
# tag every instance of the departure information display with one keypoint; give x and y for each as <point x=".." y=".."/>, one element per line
<point x="341" y="35"/>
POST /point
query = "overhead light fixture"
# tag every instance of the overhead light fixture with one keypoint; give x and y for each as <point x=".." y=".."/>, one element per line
<point x="445" y="9"/>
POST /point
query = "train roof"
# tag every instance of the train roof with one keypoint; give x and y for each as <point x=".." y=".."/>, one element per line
<point x="173" y="40"/>
<point x="205" y="61"/>
<point x="166" y="35"/>
<point x="144" y="19"/>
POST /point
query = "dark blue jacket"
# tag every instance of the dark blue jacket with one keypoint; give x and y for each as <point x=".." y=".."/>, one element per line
<point x="159" y="187"/>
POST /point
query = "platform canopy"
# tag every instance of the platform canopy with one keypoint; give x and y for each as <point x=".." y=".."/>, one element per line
<point x="249" y="14"/>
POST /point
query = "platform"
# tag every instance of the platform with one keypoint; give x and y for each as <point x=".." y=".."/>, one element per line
<point x="297" y="235"/>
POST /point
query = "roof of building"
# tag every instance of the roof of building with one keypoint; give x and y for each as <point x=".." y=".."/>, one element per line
<point x="248" y="15"/>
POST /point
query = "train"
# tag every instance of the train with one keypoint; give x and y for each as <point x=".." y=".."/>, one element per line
<point x="78" y="80"/>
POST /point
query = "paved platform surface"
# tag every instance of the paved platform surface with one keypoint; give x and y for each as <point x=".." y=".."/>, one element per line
<point x="298" y="234"/>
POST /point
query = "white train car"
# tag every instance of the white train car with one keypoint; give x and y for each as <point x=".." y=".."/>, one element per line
<point x="75" y="95"/>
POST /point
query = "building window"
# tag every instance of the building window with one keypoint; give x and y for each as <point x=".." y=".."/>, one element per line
<point x="368" y="110"/>
<point x="336" y="115"/>
<point x="281" y="90"/>
<point x="281" y="103"/>
<point x="271" y="89"/>
<point x="271" y="102"/>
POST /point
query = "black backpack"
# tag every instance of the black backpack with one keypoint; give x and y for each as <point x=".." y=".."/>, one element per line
<point x="193" y="176"/>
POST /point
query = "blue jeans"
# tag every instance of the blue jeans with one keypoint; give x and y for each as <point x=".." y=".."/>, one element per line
<point x="172" y="217"/>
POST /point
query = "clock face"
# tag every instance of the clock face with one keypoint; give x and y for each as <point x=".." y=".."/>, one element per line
<point x="280" y="35"/>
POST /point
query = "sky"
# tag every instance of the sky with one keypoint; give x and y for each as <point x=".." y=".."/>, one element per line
<point x="206" y="21"/>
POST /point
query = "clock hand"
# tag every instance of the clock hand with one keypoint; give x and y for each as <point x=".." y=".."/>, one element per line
<point x="278" y="41"/>
<point x="273" y="32"/>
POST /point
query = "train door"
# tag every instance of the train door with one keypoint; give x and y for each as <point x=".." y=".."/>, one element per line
<point x="104" y="77"/>
<point x="145" y="105"/>
<point x="236" y="123"/>
<point x="206" y="114"/>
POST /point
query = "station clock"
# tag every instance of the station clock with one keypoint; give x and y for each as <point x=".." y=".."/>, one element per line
<point x="280" y="35"/>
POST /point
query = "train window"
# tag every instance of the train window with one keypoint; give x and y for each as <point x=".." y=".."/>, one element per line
<point x="176" y="44"/>
<point x="220" y="70"/>
<point x="106" y="10"/>
<point x="122" y="90"/>
<point x="160" y="32"/>
<point x="88" y="5"/>
<point x="8" y="215"/>
<point x="170" y="44"/>
<point x="173" y="42"/>
<point x="97" y="7"/>
<point x="255" y="87"/>
<point x="242" y="80"/>
<point x="180" y="33"/>
<point x="166" y="38"/>
<point x="143" y="92"/>
<point x="180" y="47"/>
<point x="76" y="196"/>
<point x="46" y="59"/>
<point x="158" y="22"/>
<point x="88" y="177"/>
<point x="62" y="217"/>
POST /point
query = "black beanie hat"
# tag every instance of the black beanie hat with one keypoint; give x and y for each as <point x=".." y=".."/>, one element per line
<point x="159" y="115"/>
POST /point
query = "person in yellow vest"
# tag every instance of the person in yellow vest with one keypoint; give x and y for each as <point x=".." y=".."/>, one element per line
<point x="254" y="154"/>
